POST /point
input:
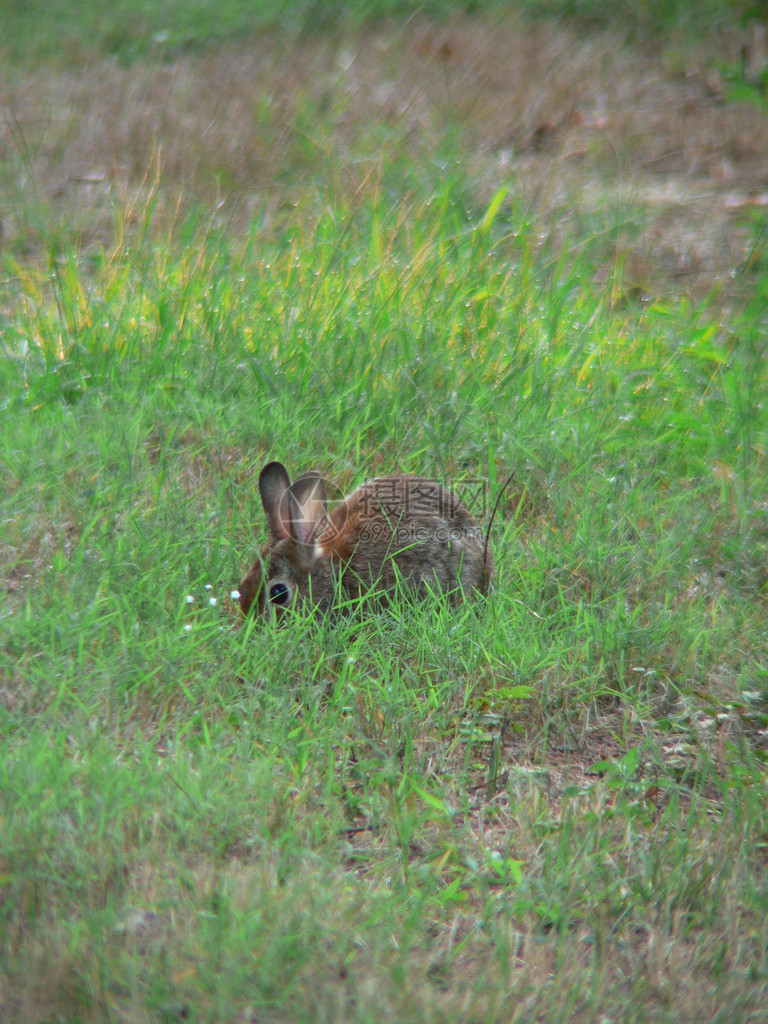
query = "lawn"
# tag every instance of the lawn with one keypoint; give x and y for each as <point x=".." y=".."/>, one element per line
<point x="452" y="242"/>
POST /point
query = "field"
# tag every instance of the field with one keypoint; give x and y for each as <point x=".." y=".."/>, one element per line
<point x="458" y="240"/>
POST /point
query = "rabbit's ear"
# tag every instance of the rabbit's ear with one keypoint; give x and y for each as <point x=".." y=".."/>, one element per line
<point x="309" y="508"/>
<point x="274" y="484"/>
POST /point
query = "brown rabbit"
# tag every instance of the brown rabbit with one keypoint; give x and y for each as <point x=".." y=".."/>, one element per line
<point x="394" y="525"/>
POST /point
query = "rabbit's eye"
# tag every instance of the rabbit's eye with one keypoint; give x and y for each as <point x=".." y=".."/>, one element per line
<point x="279" y="593"/>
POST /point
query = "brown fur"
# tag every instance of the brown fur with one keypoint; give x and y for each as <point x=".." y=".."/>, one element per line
<point x="392" y="527"/>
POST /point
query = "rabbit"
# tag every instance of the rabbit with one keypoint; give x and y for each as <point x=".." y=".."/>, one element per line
<point x="392" y="526"/>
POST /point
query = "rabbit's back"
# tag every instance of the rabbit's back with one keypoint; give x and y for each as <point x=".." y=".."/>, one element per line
<point x="411" y="526"/>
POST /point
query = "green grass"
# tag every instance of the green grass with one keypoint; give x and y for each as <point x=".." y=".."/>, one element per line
<point x="131" y="30"/>
<point x="549" y="806"/>
<point x="134" y="29"/>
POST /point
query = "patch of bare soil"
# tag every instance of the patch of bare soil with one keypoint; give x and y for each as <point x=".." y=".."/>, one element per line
<point x="589" y="133"/>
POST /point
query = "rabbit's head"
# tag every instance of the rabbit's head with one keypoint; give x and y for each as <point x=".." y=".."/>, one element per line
<point x="293" y="567"/>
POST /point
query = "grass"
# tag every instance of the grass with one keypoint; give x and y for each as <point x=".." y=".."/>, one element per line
<point x="66" y="32"/>
<point x="550" y="806"/>
<point x="134" y="31"/>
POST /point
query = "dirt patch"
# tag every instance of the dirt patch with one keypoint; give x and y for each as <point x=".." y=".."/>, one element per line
<point x="597" y="138"/>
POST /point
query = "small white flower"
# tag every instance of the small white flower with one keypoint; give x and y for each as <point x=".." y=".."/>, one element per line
<point x="208" y="586"/>
<point x="190" y="599"/>
<point x="234" y="595"/>
<point x="213" y="601"/>
<point x="351" y="660"/>
<point x="188" y="627"/>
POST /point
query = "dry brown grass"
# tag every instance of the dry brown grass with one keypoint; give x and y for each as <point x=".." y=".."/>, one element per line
<point x="576" y="124"/>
